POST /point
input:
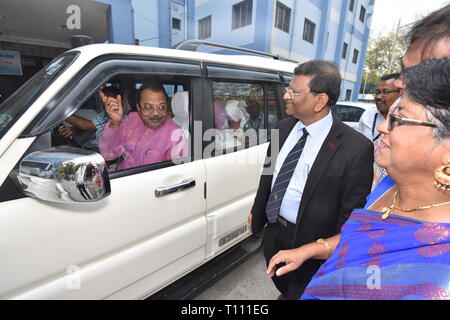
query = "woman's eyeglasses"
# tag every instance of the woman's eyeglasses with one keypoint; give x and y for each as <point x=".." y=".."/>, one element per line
<point x="393" y="119"/>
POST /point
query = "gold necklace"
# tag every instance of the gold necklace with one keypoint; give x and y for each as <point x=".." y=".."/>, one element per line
<point x="387" y="210"/>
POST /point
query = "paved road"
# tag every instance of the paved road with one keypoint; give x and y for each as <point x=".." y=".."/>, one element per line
<point x="248" y="281"/>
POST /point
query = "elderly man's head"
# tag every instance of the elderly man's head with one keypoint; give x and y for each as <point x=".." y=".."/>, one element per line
<point x="152" y="106"/>
<point x="428" y="39"/>
<point x="313" y="90"/>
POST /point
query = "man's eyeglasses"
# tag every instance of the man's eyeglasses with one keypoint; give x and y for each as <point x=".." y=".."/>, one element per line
<point x="385" y="92"/>
<point x="393" y="119"/>
<point x="293" y="93"/>
<point x="150" y="109"/>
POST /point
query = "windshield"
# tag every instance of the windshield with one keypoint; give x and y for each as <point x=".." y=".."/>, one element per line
<point x="13" y="107"/>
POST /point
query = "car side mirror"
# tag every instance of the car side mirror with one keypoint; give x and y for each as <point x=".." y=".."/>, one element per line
<point x="64" y="174"/>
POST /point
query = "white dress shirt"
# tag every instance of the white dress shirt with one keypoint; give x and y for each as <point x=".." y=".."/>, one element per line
<point x="367" y="126"/>
<point x="317" y="132"/>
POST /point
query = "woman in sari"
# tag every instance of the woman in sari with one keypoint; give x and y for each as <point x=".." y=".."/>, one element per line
<point x="398" y="245"/>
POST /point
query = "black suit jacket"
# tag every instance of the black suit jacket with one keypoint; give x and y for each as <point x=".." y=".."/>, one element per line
<point x="338" y="182"/>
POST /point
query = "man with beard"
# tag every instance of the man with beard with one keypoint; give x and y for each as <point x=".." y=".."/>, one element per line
<point x="385" y="95"/>
<point x="143" y="137"/>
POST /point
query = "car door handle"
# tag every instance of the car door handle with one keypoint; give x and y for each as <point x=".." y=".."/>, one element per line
<point x="182" y="186"/>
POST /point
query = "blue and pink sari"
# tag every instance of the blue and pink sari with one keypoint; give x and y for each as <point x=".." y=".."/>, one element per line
<point x="397" y="258"/>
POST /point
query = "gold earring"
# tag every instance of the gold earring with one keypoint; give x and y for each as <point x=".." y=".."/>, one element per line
<point x="442" y="177"/>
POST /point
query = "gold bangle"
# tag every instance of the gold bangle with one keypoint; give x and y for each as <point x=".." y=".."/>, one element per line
<point x="326" y="245"/>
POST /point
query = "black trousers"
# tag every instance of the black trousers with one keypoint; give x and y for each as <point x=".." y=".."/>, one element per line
<point x="278" y="237"/>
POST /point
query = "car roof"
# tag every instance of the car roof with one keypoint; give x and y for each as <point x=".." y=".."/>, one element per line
<point x="92" y="51"/>
<point x="363" y="105"/>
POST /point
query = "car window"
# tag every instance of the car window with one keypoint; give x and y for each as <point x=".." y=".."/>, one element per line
<point x="243" y="113"/>
<point x="347" y="113"/>
<point x="154" y="128"/>
<point x="13" y="107"/>
<point x="135" y="149"/>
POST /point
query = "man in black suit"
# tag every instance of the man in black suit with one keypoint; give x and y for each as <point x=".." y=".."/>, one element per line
<point x="323" y="170"/>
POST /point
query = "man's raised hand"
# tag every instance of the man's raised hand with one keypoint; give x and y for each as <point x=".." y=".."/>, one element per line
<point x="113" y="107"/>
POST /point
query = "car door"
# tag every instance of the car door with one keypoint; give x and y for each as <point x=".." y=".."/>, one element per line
<point x="128" y="245"/>
<point x="234" y="164"/>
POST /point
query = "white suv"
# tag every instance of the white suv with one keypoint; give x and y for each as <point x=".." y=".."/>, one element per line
<point x="69" y="229"/>
<point x="350" y="112"/>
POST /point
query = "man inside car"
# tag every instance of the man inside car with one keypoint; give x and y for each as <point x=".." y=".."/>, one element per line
<point x="143" y="137"/>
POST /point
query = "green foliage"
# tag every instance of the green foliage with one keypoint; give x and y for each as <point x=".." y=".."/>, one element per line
<point x="383" y="55"/>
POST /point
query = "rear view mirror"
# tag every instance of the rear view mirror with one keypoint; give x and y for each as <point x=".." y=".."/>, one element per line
<point x="64" y="174"/>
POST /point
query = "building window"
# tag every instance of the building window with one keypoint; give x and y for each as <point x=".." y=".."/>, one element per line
<point x="242" y="14"/>
<point x="204" y="27"/>
<point x="282" y="17"/>
<point x="362" y="14"/>
<point x="308" y="31"/>
<point x="355" y="56"/>
<point x="176" y="24"/>
<point x="348" y="95"/>
<point x="352" y="5"/>
<point x="344" y="50"/>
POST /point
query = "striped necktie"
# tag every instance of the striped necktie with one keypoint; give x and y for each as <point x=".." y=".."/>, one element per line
<point x="283" y="179"/>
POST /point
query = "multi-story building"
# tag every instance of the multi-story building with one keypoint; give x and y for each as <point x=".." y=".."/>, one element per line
<point x="300" y="30"/>
<point x="36" y="31"/>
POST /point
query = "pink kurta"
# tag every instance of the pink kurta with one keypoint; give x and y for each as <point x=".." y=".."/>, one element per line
<point x="141" y="145"/>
